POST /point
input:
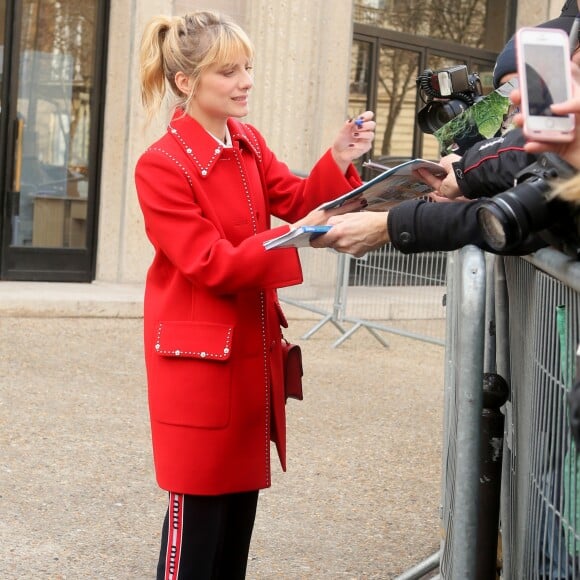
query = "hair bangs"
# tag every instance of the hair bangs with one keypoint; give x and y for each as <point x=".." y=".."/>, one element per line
<point x="228" y="45"/>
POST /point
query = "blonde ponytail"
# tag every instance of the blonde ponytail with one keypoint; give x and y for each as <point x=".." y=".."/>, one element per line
<point x="152" y="64"/>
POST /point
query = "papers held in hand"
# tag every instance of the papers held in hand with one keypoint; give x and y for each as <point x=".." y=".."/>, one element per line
<point x="296" y="238"/>
<point x="390" y="187"/>
<point x="382" y="192"/>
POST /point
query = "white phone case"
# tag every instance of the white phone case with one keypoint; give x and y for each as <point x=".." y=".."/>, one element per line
<point x="544" y="78"/>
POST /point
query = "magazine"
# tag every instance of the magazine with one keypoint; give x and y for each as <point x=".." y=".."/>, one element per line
<point x="297" y="237"/>
<point x="489" y="117"/>
<point x="389" y="188"/>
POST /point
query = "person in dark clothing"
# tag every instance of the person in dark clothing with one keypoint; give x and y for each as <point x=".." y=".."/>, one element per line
<point x="420" y="225"/>
<point x="484" y="170"/>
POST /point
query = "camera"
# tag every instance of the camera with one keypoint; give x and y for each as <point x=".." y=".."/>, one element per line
<point x="509" y="218"/>
<point x="446" y="94"/>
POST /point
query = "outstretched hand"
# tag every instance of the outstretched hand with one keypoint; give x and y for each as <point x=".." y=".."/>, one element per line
<point x="354" y="139"/>
<point x="355" y="233"/>
<point x="444" y="188"/>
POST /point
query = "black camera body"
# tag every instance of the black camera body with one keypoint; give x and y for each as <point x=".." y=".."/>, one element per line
<point x="446" y="94"/>
<point x="508" y="219"/>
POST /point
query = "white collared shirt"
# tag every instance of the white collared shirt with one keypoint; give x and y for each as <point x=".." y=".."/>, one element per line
<point x="228" y="140"/>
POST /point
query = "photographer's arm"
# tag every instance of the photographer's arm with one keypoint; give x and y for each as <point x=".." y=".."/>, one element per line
<point x="487" y="168"/>
<point x="412" y="226"/>
<point x="490" y="166"/>
<point x="421" y="226"/>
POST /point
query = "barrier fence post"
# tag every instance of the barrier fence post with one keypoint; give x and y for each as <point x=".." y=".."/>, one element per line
<point x="339" y="298"/>
<point x="469" y="391"/>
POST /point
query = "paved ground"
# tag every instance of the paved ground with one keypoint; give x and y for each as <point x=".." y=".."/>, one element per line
<point x="77" y="492"/>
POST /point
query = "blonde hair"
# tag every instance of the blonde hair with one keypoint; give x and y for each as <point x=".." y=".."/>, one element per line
<point x="569" y="189"/>
<point x="187" y="44"/>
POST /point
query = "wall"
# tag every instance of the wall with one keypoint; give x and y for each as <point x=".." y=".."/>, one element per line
<point x="123" y="252"/>
<point x="532" y="12"/>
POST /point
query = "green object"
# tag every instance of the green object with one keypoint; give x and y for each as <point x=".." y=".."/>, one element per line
<point x="571" y="472"/>
<point x="488" y="117"/>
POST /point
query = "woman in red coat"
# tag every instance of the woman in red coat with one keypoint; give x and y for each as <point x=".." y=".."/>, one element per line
<point x="207" y="189"/>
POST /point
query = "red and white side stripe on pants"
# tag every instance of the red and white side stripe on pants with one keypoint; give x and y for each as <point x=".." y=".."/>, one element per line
<point x="174" y="539"/>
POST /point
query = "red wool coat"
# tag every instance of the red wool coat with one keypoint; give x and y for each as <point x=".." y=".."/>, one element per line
<point x="212" y="318"/>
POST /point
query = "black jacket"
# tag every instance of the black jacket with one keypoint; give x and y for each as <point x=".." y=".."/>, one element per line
<point x="423" y="226"/>
<point x="485" y="169"/>
<point x="490" y="167"/>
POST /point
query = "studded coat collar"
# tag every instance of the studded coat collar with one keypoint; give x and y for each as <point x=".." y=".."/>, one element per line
<point x="203" y="150"/>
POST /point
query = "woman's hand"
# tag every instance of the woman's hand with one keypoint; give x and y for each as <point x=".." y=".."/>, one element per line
<point x="353" y="140"/>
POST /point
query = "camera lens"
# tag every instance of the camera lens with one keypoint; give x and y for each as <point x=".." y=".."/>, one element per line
<point x="448" y="111"/>
<point x="508" y="218"/>
<point x="437" y="113"/>
<point x="498" y="224"/>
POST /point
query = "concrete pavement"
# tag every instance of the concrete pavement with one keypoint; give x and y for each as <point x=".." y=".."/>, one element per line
<point x="78" y="497"/>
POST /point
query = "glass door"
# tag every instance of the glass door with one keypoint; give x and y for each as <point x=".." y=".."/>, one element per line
<point x="53" y="67"/>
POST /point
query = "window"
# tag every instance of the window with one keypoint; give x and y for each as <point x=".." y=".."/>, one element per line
<point x="394" y="41"/>
<point x="467" y="22"/>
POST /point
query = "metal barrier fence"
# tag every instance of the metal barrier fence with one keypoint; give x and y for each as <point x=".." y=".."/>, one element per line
<point x="540" y="508"/>
<point x="517" y="318"/>
<point x="383" y="291"/>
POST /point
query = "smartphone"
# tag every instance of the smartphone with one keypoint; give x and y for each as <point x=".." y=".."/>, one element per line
<point x="544" y="78"/>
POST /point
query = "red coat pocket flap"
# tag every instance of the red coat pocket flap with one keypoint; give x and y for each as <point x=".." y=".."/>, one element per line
<point x="205" y="340"/>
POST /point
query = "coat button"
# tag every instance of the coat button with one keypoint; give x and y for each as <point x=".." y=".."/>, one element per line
<point x="203" y="354"/>
<point x="177" y="352"/>
<point x="204" y="172"/>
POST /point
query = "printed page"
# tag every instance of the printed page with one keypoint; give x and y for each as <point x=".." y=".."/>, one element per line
<point x="391" y="187"/>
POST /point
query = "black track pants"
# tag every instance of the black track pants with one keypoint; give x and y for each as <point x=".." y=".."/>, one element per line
<point x="207" y="537"/>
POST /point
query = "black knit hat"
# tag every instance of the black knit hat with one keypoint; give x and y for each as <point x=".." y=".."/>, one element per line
<point x="506" y="60"/>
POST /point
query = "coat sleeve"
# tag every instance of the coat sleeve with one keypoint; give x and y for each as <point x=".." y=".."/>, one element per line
<point x="178" y="229"/>
<point x="421" y="226"/>
<point x="290" y="196"/>
<point x="490" y="167"/>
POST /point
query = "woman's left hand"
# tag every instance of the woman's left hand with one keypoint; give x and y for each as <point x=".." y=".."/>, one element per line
<point x="354" y="139"/>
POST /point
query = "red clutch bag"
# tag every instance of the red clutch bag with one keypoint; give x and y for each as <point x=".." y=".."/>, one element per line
<point x="292" y="361"/>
